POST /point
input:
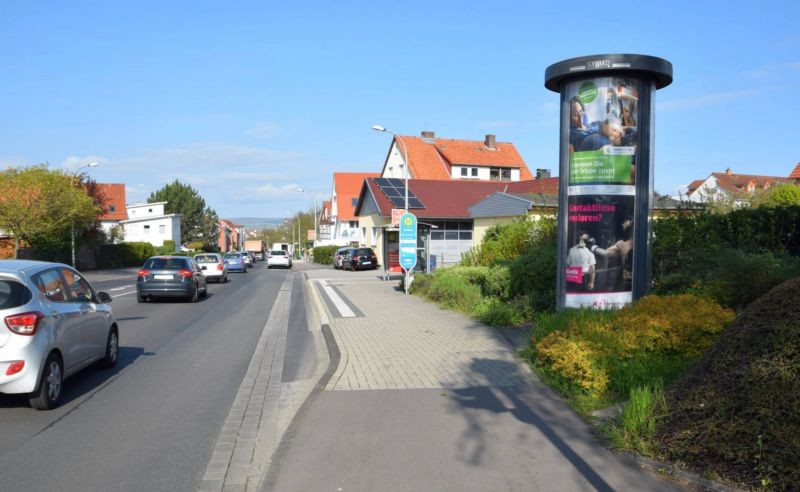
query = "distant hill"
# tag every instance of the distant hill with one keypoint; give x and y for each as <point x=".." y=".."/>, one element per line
<point x="258" y="222"/>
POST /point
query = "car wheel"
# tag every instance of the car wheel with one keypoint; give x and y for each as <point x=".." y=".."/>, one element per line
<point x="225" y="279"/>
<point x="205" y="291"/>
<point x="140" y="299"/>
<point x="194" y="296"/>
<point x="112" y="350"/>
<point x="49" y="390"/>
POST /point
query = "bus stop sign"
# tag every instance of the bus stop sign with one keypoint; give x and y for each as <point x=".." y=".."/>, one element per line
<point x="408" y="241"/>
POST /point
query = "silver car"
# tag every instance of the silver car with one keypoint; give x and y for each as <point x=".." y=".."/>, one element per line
<point x="53" y="325"/>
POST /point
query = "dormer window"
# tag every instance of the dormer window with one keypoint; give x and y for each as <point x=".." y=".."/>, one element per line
<point x="112" y="208"/>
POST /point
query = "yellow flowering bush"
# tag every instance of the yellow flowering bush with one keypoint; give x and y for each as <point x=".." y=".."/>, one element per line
<point x="574" y="360"/>
<point x="686" y="324"/>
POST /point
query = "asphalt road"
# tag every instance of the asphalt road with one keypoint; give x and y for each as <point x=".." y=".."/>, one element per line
<point x="151" y="423"/>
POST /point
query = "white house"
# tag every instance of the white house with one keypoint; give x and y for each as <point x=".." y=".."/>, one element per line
<point x="148" y="223"/>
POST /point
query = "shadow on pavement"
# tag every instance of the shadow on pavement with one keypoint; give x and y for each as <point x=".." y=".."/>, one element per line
<point x="484" y="398"/>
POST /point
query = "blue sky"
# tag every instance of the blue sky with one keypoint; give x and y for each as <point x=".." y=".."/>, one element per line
<point x="246" y="101"/>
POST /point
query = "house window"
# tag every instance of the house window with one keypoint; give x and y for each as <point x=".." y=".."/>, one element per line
<point x="353" y="224"/>
<point x="474" y="172"/>
<point x="147" y="229"/>
<point x="464" y="172"/>
<point x="354" y="201"/>
<point x="112" y="208"/>
<point x="500" y="174"/>
<point x="150" y="210"/>
<point x="162" y="229"/>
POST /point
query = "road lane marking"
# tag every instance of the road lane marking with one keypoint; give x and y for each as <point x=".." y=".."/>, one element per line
<point x="338" y="302"/>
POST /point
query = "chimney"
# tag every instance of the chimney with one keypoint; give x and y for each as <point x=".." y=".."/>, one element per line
<point x="491" y="142"/>
<point x="428" y="134"/>
<point x="542" y="173"/>
<point x="729" y="172"/>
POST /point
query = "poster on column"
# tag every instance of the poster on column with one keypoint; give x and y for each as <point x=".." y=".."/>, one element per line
<point x="603" y="131"/>
<point x="599" y="265"/>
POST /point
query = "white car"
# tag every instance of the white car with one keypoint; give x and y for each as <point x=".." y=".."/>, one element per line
<point x="213" y="266"/>
<point x="279" y="258"/>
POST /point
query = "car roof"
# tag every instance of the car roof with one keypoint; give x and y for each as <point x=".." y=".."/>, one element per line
<point x="24" y="265"/>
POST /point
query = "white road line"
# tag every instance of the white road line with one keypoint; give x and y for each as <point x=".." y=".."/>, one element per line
<point x="341" y="306"/>
<point x="120" y="288"/>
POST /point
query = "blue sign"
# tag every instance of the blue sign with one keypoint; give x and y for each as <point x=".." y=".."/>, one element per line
<point x="408" y="241"/>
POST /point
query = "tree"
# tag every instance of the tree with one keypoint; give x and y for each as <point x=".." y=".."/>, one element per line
<point x="780" y="195"/>
<point x="196" y="217"/>
<point x="39" y="205"/>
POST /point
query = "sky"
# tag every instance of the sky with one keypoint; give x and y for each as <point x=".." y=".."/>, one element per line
<point x="248" y="101"/>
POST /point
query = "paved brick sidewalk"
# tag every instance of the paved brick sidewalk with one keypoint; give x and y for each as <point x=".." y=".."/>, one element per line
<point x="404" y="342"/>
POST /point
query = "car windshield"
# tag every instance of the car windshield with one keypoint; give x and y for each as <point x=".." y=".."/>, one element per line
<point x="165" y="264"/>
<point x="278" y="253"/>
<point x="206" y="259"/>
<point x="232" y="256"/>
<point x="363" y="252"/>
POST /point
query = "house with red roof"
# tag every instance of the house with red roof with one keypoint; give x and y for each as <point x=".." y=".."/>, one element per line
<point x="429" y="157"/>
<point x="114" y="206"/>
<point x="452" y="215"/>
<point x="230" y="236"/>
<point x="738" y="187"/>
<point x="324" y="223"/>
<point x="343" y="222"/>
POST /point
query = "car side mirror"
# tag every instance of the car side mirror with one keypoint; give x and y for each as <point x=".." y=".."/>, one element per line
<point x="104" y="297"/>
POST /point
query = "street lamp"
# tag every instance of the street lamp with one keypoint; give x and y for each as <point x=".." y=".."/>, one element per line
<point x="397" y="137"/>
<point x="301" y="190"/>
<point x="72" y="227"/>
<point x="291" y="226"/>
<point x="298" y="233"/>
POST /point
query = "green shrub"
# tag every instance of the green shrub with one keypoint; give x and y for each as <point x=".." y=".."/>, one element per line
<point x="168" y="247"/>
<point x="134" y="254"/>
<point x="452" y="288"/>
<point x="504" y="242"/>
<point x="533" y="276"/>
<point x="323" y="255"/>
<point x="495" y="312"/>
<point x="194" y="245"/>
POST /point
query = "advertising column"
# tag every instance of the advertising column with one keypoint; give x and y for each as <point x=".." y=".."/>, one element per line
<point x="606" y="176"/>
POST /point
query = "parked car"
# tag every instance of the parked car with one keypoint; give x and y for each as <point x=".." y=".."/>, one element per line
<point x="339" y="255"/>
<point x="361" y="259"/>
<point x="236" y="262"/>
<point x="213" y="266"/>
<point x="279" y="258"/>
<point x="55" y="325"/>
<point x="170" y="276"/>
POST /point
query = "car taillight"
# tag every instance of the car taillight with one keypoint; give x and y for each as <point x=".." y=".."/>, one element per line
<point x="185" y="273"/>
<point x="144" y="273"/>
<point x="15" y="367"/>
<point x="219" y="266"/>
<point x="24" y="323"/>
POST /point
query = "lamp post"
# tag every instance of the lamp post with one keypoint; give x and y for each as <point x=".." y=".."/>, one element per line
<point x="397" y="137"/>
<point x="301" y="190"/>
<point x="72" y="226"/>
<point x="298" y="233"/>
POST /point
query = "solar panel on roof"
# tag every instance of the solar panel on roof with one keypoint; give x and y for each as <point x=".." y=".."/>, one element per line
<point x="396" y="182"/>
<point x="392" y="192"/>
<point x="415" y="203"/>
<point x="397" y="201"/>
<point x="381" y="182"/>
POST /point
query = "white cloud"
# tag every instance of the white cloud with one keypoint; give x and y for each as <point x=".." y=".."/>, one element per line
<point x="264" y="130"/>
<point x="704" y="100"/>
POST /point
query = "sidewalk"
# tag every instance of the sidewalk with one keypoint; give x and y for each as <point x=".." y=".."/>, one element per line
<point x="428" y="399"/>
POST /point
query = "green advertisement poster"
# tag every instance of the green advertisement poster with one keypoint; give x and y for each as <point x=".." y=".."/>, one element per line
<point x="597" y="166"/>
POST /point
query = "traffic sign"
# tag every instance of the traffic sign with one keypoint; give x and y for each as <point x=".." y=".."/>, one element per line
<point x="408" y="241"/>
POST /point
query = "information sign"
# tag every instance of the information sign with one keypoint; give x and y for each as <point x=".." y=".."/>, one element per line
<point x="408" y="241"/>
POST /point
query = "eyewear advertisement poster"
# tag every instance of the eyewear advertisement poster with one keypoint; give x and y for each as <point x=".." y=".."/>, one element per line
<point x="602" y="143"/>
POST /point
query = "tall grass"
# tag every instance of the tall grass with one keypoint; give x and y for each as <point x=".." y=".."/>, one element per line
<point x="635" y="427"/>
